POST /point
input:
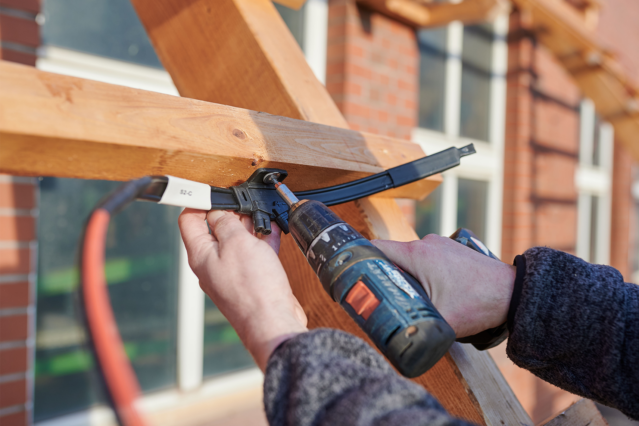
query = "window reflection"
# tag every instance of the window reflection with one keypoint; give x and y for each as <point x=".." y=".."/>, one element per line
<point x="432" y="78"/>
<point x="108" y="28"/>
<point x="472" y="205"/>
<point x="475" y="84"/>
<point x="294" y="20"/>
<point x="428" y="214"/>
<point x="223" y="350"/>
<point x="142" y="273"/>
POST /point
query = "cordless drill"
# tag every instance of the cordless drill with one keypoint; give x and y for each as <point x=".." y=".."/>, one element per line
<point x="387" y="303"/>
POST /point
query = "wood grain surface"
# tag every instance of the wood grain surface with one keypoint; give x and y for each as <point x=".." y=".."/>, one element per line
<point x="54" y="125"/>
<point x="240" y="52"/>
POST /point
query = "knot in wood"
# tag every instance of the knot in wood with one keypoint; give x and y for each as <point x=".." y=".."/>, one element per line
<point x="239" y="134"/>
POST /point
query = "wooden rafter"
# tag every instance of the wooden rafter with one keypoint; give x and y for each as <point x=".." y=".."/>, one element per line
<point x="240" y="52"/>
<point x="561" y="29"/>
<point x="54" y="125"/>
<point x="420" y="14"/>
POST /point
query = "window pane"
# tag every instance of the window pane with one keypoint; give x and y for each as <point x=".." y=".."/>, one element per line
<point x="594" y="219"/>
<point x="223" y="350"/>
<point x="294" y="20"/>
<point x="476" y="76"/>
<point x="109" y="28"/>
<point x="472" y="203"/>
<point x="142" y="272"/>
<point x="432" y="78"/>
<point x="596" y="142"/>
<point x="428" y="214"/>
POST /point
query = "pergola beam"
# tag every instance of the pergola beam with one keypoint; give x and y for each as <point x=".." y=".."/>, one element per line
<point x="54" y="125"/>
<point x="421" y="15"/>
<point x="562" y="30"/>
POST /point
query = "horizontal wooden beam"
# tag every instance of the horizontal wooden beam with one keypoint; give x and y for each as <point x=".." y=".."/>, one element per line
<point x="54" y="125"/>
<point x="562" y="30"/>
<point x="420" y="15"/>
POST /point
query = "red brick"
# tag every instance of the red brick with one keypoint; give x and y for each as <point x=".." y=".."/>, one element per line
<point x="14" y="295"/>
<point x="17" y="195"/>
<point x="14" y="327"/>
<point x="18" y="57"/>
<point x="18" y="30"/>
<point x="14" y="419"/>
<point x="17" y="228"/>
<point x="555" y="176"/>
<point x="13" y="361"/>
<point x="28" y="5"/>
<point x="13" y="393"/>
<point x="15" y="261"/>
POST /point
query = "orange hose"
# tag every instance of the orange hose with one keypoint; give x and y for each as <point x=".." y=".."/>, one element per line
<point x="117" y="371"/>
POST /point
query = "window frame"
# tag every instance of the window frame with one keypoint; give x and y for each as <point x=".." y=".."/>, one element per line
<point x="487" y="165"/>
<point x="594" y="181"/>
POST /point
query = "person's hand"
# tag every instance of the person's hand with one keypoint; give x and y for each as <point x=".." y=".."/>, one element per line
<point x="243" y="276"/>
<point x="470" y="290"/>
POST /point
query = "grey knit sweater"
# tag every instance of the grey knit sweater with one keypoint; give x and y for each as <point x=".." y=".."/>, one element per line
<point x="573" y="324"/>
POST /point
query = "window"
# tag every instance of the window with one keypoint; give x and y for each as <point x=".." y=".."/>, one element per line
<point x="474" y="117"/>
<point x="174" y="336"/>
<point x="432" y="75"/>
<point x="462" y="100"/>
<point x="142" y="272"/>
<point x="593" y="180"/>
<point x="108" y="28"/>
<point x="309" y="26"/>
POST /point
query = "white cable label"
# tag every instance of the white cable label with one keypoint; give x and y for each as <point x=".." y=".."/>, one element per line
<point x="186" y="193"/>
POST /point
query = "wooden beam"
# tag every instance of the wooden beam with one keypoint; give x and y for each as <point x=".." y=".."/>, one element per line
<point x="239" y="52"/>
<point x="582" y="413"/>
<point x="421" y="15"/>
<point x="53" y="125"/>
<point x="561" y="29"/>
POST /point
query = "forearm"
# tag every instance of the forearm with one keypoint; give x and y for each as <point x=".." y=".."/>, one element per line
<point x="328" y="377"/>
<point x="576" y="325"/>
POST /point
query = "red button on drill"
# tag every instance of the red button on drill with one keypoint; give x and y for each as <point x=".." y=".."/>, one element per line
<point x="362" y="300"/>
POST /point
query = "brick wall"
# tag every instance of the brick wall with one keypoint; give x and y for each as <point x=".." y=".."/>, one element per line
<point x="19" y="38"/>
<point x="19" y="32"/>
<point x="540" y="197"/>
<point x="372" y="70"/>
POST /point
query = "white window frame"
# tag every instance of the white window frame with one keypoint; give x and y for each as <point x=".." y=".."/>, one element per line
<point x="594" y="181"/>
<point x="488" y="164"/>
<point x="191" y="386"/>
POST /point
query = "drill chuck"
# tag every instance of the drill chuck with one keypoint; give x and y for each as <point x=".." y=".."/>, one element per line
<point x="388" y="304"/>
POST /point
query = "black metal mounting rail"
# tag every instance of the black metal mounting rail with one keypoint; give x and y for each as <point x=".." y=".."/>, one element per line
<point x="259" y="199"/>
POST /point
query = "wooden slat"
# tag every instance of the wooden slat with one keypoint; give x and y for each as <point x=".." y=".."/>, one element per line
<point x="582" y="413"/>
<point x="420" y="15"/>
<point x="53" y="125"/>
<point x="239" y="52"/>
<point x="600" y="77"/>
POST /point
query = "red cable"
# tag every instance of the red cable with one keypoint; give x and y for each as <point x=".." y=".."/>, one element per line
<point x="117" y="371"/>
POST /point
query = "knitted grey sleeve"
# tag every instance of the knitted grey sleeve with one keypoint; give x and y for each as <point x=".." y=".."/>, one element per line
<point x="576" y="326"/>
<point x="329" y="377"/>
